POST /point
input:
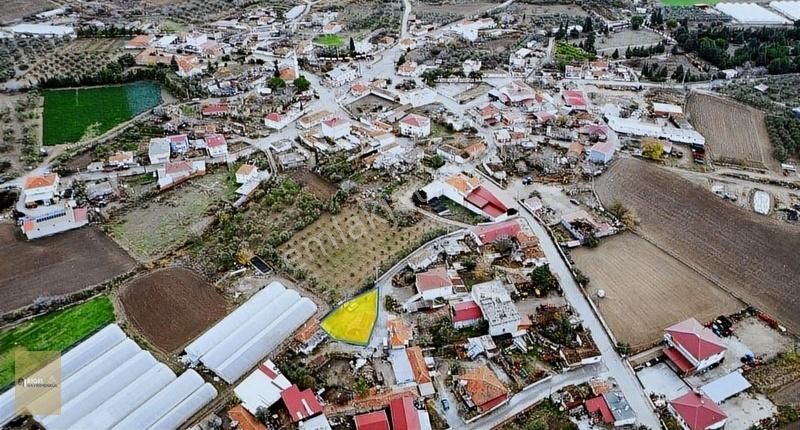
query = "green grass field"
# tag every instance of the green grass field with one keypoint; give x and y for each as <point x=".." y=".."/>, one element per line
<point x="331" y="40"/>
<point x="75" y="114"/>
<point x="53" y="332"/>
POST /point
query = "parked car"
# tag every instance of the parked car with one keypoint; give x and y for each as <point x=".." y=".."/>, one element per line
<point x="446" y="404"/>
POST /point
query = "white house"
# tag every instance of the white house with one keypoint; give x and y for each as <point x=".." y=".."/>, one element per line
<point x="216" y="145"/>
<point x="173" y="173"/>
<point x="178" y="143"/>
<point x="341" y="75"/>
<point x="692" y="347"/>
<point x="470" y="66"/>
<point x="436" y="283"/>
<point x="121" y="158"/>
<point x="497" y="308"/>
<point x="40" y="188"/>
<point x="336" y="127"/>
<point x="276" y="121"/>
<point x="246" y="173"/>
<point x="158" y="151"/>
<point x="602" y="152"/>
<point x="414" y="125"/>
<point x="188" y="66"/>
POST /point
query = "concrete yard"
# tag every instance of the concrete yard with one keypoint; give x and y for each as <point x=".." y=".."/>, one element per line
<point x="762" y="340"/>
<point x="660" y="379"/>
<point x="746" y="410"/>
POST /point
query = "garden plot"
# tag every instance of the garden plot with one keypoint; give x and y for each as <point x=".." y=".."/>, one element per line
<point x="171" y="306"/>
<point x="80" y="57"/>
<point x="647" y="290"/>
<point x="345" y="250"/>
<point x="55" y="265"/>
<point x="170" y="219"/>
<point x="623" y="39"/>
<point x="735" y="133"/>
<point x="752" y="256"/>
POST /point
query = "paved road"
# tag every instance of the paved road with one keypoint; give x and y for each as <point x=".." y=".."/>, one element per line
<point x="617" y="369"/>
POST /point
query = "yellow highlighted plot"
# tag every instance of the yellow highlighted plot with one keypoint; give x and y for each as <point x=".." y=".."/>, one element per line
<point x="352" y="322"/>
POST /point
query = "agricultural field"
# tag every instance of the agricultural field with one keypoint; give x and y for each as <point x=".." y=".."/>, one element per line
<point x="646" y="285"/>
<point x="546" y="415"/>
<point x="352" y="322"/>
<point x="447" y="11"/>
<point x="17" y="54"/>
<point x="170" y="307"/>
<point x="735" y="133"/>
<point x="13" y="10"/>
<point x="360" y="17"/>
<point x="76" y="58"/>
<point x="77" y="114"/>
<point x="357" y="243"/>
<point x="170" y="219"/>
<point x="55" y="331"/>
<point x="622" y="39"/>
<point x="330" y="40"/>
<point x="56" y="265"/>
<point x="753" y="257"/>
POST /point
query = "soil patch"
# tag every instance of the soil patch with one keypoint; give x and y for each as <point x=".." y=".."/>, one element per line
<point x="170" y="307"/>
<point x="753" y="257"/>
<point x="56" y="265"/>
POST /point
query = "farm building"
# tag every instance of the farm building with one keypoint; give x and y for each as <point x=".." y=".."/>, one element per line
<point x="726" y="386"/>
<point x="635" y="127"/>
<point x="251" y="332"/>
<point x="109" y="381"/>
<point x="790" y="9"/>
<point x="666" y="109"/>
<point x="751" y="13"/>
<point x="468" y="192"/>
<point x="692" y="347"/>
<point x="262" y="388"/>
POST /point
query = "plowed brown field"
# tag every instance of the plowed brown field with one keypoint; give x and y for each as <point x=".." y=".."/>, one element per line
<point x="55" y="265"/>
<point x="170" y="307"/>
<point x="647" y="290"/>
<point x="755" y="258"/>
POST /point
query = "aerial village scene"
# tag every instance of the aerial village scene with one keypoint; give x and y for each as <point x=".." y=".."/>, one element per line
<point x="399" y="214"/>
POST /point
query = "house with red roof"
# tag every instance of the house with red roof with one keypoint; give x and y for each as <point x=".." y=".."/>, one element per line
<point x="436" y="283"/>
<point x="40" y="188"/>
<point x="468" y="192"/>
<point x="336" y="127"/>
<point x="692" y="347"/>
<point x="404" y="414"/>
<point x="602" y="152"/>
<point x="216" y="109"/>
<point x="276" y="121"/>
<point x="599" y="410"/>
<point x="414" y="125"/>
<point x="465" y="314"/>
<point x="481" y="389"/>
<point x="695" y="411"/>
<point x="216" y="145"/>
<point x="372" y="421"/>
<point x="575" y="99"/>
<point x="300" y="404"/>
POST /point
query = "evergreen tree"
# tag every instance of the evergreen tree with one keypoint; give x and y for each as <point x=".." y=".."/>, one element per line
<point x="615" y="55"/>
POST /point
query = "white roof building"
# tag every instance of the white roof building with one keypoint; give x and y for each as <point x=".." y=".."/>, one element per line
<point x="639" y="128"/>
<point x="497" y="308"/>
<point x="751" y="13"/>
<point x="44" y="30"/>
<point x="262" y="388"/>
<point x="251" y="332"/>
<point x="790" y="9"/>
<point x="108" y="381"/>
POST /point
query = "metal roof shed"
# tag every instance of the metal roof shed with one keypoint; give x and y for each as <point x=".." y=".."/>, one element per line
<point x="725" y="387"/>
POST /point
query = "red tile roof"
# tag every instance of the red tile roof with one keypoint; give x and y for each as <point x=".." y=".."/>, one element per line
<point x="301" y="404"/>
<point x="404" y="414"/>
<point x="678" y="359"/>
<point x="274" y="117"/>
<point x="490" y="232"/>
<point x="466" y="311"/>
<point x="486" y="390"/>
<point x="81" y="214"/>
<point x="698" y="411"/>
<point x="213" y="140"/>
<point x="245" y="419"/>
<point x="574" y="98"/>
<point x="418" y="366"/>
<point x="433" y="279"/>
<point x="415" y="120"/>
<point x="486" y="201"/>
<point x="214" y="108"/>
<point x="336" y="121"/>
<point x="696" y="339"/>
<point x="40" y="181"/>
<point x="177" y="167"/>
<point x="372" y="421"/>
<point x="598" y="404"/>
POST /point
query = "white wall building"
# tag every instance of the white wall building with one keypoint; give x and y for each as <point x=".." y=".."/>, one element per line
<point x="414" y="125"/>
<point x="497" y="308"/>
<point x="336" y="127"/>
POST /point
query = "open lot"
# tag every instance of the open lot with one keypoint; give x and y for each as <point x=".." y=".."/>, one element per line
<point x="57" y="265"/>
<point x="753" y="257"/>
<point x="170" y="307"/>
<point x="17" y="9"/>
<point x="316" y="184"/>
<point x="735" y="133"/>
<point x="344" y="250"/>
<point x="352" y="322"/>
<point x="170" y="219"/>
<point x="645" y="285"/>
<point x="55" y="331"/>
<point x="623" y="39"/>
